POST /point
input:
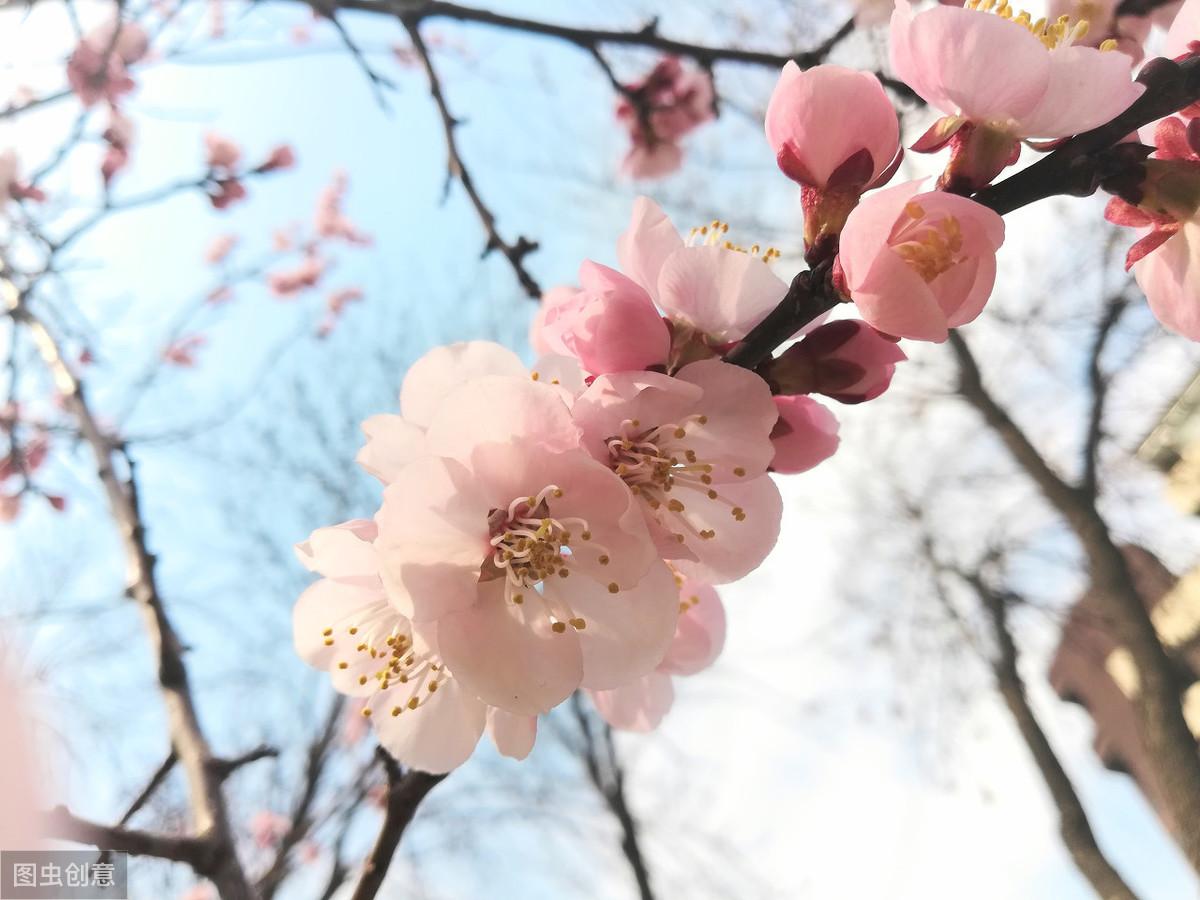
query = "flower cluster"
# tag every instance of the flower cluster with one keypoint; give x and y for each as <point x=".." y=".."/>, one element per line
<point x="657" y="111"/>
<point x="561" y="528"/>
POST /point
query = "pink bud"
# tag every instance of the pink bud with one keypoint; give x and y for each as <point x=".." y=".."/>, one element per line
<point x="819" y="119"/>
<point x="847" y="360"/>
<point x="282" y="157"/>
<point x="805" y="434"/>
<point x="221" y="152"/>
<point x="917" y="264"/>
<point x="610" y="325"/>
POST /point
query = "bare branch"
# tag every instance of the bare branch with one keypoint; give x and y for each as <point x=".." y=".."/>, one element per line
<point x="1099" y="386"/>
<point x="209" y="815"/>
<point x="1169" y="741"/>
<point x="60" y="823"/>
<point x="301" y="814"/>
<point x="515" y="253"/>
<point x="605" y="771"/>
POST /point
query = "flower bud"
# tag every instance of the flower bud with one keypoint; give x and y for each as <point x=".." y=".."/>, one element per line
<point x="918" y="264"/>
<point x="848" y="361"/>
<point x="805" y="434"/>
<point x="609" y="325"/>
<point x="833" y="155"/>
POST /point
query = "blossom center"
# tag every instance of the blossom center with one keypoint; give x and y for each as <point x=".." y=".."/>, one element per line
<point x="929" y="248"/>
<point x="1062" y="32"/>
<point x="656" y="461"/>
<point x="385" y="656"/>
<point x="714" y="235"/>
<point x="530" y="545"/>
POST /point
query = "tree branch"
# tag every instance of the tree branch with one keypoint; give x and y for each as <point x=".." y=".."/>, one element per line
<point x="1099" y="387"/>
<point x="1073" y="823"/>
<point x="1078" y="166"/>
<point x="1169" y="742"/>
<point x="300" y="818"/>
<point x="209" y="815"/>
<point x="406" y="790"/>
<point x="456" y="168"/>
<point x="60" y="823"/>
<point x="606" y="774"/>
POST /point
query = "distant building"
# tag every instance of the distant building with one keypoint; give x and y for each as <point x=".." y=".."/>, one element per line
<point x="1173" y="447"/>
<point x="1092" y="669"/>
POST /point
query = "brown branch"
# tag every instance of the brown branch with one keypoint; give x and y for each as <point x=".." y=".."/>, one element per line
<point x="607" y="775"/>
<point x="647" y="37"/>
<point x="515" y="253"/>
<point x="301" y="814"/>
<point x="1073" y="822"/>
<point x="406" y="790"/>
<point x="115" y="470"/>
<point x="1169" y="742"/>
<point x="60" y="823"/>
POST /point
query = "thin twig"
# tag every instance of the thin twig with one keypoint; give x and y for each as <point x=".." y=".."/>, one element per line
<point x="515" y="253"/>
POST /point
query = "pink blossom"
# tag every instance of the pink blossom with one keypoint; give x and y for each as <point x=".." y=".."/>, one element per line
<point x="95" y="75"/>
<point x="221" y="152"/>
<point x="330" y="221"/>
<point x="1166" y="259"/>
<point x="130" y="44"/>
<point x="393" y="441"/>
<point x="699" y="639"/>
<point x="290" y="282"/>
<point x="220" y="248"/>
<point x="813" y="137"/>
<point x="182" y="352"/>
<point x="216" y="18"/>
<point x="657" y="160"/>
<point x="847" y="360"/>
<point x="658" y="111"/>
<point x="1184" y="31"/>
<point x="200" y="891"/>
<point x="805" y="435"/>
<point x="998" y="83"/>
<point x="224" y="192"/>
<point x="833" y="156"/>
<point x="11" y="186"/>
<point x="694" y="450"/>
<point x="282" y="157"/>
<point x="472" y="540"/>
<point x="1168" y="277"/>
<point x="119" y="137"/>
<point x="917" y="264"/>
<point x="345" y="625"/>
<point x="706" y="284"/>
<point x="1129" y="32"/>
<point x="609" y="325"/>
<point x="554" y="297"/>
<point x="20" y="778"/>
<point x="267" y="828"/>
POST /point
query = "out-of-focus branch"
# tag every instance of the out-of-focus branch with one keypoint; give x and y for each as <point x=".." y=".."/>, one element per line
<point x="1169" y="742"/>
<point x="1073" y="822"/>
<point x="115" y="470"/>
<point x="1074" y="827"/>
<point x="301" y="813"/>
<point x="646" y="37"/>
<point x="60" y="823"/>
<point x="515" y="253"/>
<point x="406" y="790"/>
<point x="607" y="775"/>
<point x="1098" y="383"/>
